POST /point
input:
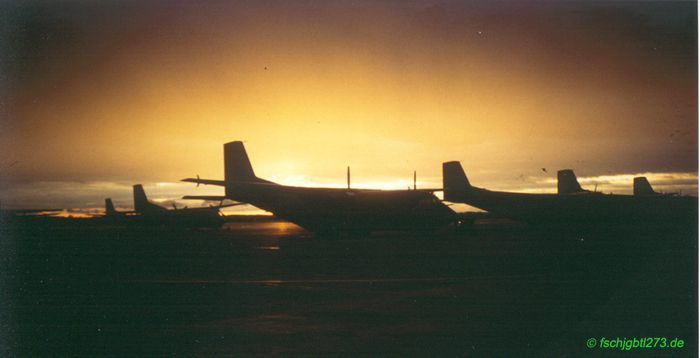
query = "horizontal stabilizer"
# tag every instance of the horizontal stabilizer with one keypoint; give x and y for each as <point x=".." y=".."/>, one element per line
<point x="204" y="181"/>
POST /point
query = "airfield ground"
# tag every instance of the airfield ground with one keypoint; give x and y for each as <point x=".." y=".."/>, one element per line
<point x="77" y="287"/>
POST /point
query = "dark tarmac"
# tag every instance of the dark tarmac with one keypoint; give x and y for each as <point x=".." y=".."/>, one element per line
<point x="82" y="287"/>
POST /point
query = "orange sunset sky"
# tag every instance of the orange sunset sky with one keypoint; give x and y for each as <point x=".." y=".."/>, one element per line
<point x="98" y="96"/>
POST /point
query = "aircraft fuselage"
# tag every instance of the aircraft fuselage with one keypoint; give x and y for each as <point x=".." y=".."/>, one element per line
<point x="322" y="209"/>
<point x="583" y="207"/>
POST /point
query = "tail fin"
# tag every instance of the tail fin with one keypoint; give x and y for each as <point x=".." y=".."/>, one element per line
<point x="141" y="203"/>
<point x="237" y="166"/>
<point x="140" y="199"/>
<point x="109" y="207"/>
<point x="454" y="182"/>
<point x="567" y="183"/>
<point x="642" y="187"/>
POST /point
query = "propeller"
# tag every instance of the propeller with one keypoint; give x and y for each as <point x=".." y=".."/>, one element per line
<point x="414" y="180"/>
<point x="197" y="180"/>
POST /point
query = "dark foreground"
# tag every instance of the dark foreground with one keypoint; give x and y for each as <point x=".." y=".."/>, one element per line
<point x="264" y="288"/>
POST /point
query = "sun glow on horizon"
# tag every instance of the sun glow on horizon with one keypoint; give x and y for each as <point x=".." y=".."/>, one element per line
<point x="123" y="94"/>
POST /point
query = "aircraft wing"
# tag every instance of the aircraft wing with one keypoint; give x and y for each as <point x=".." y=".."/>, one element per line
<point x="205" y="181"/>
<point x="211" y="198"/>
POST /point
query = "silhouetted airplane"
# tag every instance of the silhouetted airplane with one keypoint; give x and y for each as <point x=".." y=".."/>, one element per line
<point x="110" y="212"/>
<point x="643" y="188"/>
<point x="146" y="211"/>
<point x="570" y="204"/>
<point x="329" y="210"/>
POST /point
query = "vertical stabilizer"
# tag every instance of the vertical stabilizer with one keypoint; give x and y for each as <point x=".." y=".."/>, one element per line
<point x="237" y="166"/>
<point x="454" y="182"/>
<point x="642" y="187"/>
<point x="567" y="182"/>
<point x="141" y="203"/>
<point x="109" y="208"/>
<point x="140" y="199"/>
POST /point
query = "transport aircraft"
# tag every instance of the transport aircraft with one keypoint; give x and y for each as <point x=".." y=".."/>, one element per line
<point x="643" y="188"/>
<point x="146" y="211"/>
<point x="329" y="210"/>
<point x="570" y="204"/>
<point x="111" y="212"/>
